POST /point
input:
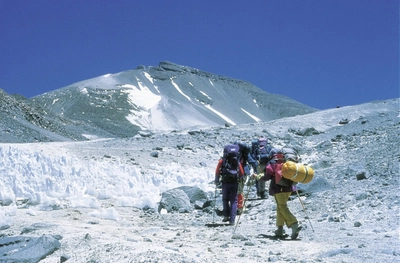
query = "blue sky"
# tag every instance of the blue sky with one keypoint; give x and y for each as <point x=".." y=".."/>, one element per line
<point x="323" y="53"/>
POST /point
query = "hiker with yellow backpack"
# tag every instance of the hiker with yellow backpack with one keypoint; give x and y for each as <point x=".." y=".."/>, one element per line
<point x="281" y="187"/>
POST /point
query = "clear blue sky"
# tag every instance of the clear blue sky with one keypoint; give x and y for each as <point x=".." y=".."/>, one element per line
<point x="322" y="53"/>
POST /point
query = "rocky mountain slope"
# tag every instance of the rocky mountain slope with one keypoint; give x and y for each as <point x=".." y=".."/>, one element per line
<point x="99" y="198"/>
<point x="23" y="120"/>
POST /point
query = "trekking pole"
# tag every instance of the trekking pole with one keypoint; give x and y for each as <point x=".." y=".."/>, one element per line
<point x="304" y="209"/>
<point x="215" y="201"/>
<point x="244" y="201"/>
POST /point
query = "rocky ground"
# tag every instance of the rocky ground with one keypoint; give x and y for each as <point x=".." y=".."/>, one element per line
<point x="352" y="204"/>
<point x="140" y="236"/>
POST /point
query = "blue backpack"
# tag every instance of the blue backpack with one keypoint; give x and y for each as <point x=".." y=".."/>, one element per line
<point x="230" y="163"/>
<point x="260" y="150"/>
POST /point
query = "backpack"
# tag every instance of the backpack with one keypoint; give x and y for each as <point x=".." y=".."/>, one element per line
<point x="280" y="157"/>
<point x="297" y="172"/>
<point x="290" y="154"/>
<point x="260" y="150"/>
<point x="230" y="164"/>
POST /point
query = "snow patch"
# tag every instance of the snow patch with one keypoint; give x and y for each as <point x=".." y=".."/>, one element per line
<point x="141" y="96"/>
<point x="106" y="213"/>
<point x="54" y="101"/>
<point x="147" y="75"/>
<point x="205" y="94"/>
<point x="6" y="216"/>
<point x="220" y="115"/>
<point x="251" y="115"/>
<point x="83" y="91"/>
<point x="179" y="90"/>
<point x="90" y="136"/>
<point x="83" y="201"/>
<point x="255" y="102"/>
<point x="141" y="119"/>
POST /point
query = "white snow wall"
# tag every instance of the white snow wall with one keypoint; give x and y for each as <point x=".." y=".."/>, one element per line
<point x="49" y="177"/>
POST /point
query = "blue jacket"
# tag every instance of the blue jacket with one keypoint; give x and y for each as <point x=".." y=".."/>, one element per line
<point x="245" y="156"/>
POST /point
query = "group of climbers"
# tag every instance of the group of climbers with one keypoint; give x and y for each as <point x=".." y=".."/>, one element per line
<point x="258" y="162"/>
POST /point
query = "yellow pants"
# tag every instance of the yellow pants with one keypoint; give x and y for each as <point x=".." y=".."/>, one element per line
<point x="260" y="184"/>
<point x="283" y="214"/>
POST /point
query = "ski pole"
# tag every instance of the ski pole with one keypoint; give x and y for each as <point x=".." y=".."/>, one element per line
<point x="244" y="202"/>
<point x="304" y="209"/>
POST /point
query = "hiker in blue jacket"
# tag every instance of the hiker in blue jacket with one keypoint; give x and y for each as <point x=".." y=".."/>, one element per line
<point x="245" y="159"/>
<point x="260" y="153"/>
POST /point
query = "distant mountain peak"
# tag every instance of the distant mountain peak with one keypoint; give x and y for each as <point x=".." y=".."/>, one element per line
<point x="162" y="98"/>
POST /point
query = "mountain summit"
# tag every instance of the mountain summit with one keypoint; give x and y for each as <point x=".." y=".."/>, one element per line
<point x="166" y="97"/>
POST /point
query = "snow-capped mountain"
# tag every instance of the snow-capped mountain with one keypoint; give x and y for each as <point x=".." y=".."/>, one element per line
<point x="165" y="97"/>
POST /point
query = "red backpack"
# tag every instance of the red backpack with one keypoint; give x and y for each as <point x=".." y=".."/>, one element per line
<point x="280" y="159"/>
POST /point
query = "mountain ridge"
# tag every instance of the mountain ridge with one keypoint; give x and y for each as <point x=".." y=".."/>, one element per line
<point x="157" y="99"/>
<point x="171" y="96"/>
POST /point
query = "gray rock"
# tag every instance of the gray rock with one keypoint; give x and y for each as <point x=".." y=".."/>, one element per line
<point x="194" y="193"/>
<point x="203" y="164"/>
<point x="23" y="249"/>
<point x="64" y="258"/>
<point x="4" y="227"/>
<point x="359" y="171"/>
<point x="361" y="175"/>
<point x="306" y="132"/>
<point x="34" y="227"/>
<point x="180" y="146"/>
<point x="198" y="205"/>
<point x="175" y="200"/>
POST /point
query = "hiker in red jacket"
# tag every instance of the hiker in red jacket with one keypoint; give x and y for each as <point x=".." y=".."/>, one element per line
<point x="229" y="192"/>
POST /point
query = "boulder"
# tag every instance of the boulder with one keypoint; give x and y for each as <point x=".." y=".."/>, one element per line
<point x="175" y="200"/>
<point x="194" y="193"/>
<point x="26" y="249"/>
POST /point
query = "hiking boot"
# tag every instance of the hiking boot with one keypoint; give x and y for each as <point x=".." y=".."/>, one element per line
<point x="226" y="219"/>
<point x="295" y="230"/>
<point x="280" y="232"/>
<point x="231" y="223"/>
